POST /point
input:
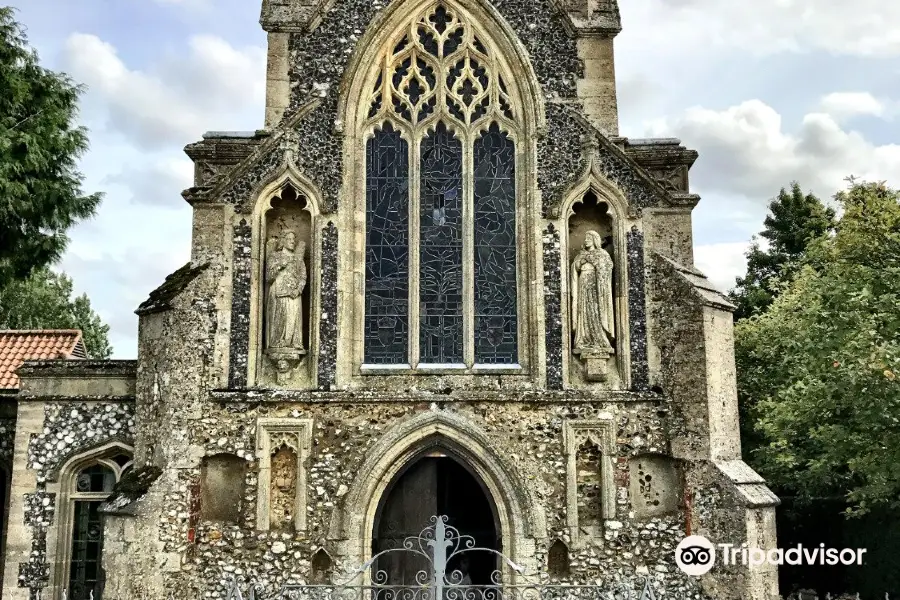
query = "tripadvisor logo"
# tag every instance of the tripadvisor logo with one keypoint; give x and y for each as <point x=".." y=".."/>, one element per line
<point x="696" y="555"/>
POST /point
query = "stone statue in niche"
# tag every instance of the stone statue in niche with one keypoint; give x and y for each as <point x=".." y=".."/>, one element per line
<point x="286" y="279"/>
<point x="284" y="488"/>
<point x="592" y="306"/>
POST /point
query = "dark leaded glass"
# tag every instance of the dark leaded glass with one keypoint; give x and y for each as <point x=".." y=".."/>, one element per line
<point x="496" y="321"/>
<point x="95" y="478"/>
<point x="387" y="248"/>
<point x="440" y="244"/>
<point x="87" y="547"/>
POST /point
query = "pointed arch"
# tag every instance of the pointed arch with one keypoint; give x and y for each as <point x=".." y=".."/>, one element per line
<point x="518" y="514"/>
<point x="362" y="68"/>
<point x="421" y="67"/>
<point x="594" y="182"/>
<point x="286" y="178"/>
<point x="100" y="454"/>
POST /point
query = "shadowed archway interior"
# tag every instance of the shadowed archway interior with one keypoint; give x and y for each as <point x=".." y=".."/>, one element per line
<point x="436" y="483"/>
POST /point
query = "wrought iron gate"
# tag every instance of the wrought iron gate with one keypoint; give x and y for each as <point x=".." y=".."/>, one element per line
<point x="439" y="545"/>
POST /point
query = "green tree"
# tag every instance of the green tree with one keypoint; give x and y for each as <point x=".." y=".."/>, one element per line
<point x="40" y="144"/>
<point x="44" y="301"/>
<point x="794" y="220"/>
<point x="822" y="365"/>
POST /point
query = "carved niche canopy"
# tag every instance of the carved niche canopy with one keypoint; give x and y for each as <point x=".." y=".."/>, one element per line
<point x="282" y="447"/>
<point x="595" y="281"/>
<point x="596" y="434"/>
<point x="284" y="289"/>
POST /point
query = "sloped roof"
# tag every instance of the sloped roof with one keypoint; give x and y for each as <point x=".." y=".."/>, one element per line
<point x="17" y="346"/>
<point x="161" y="298"/>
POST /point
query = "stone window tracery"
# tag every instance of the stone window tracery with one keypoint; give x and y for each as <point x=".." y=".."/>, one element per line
<point x="441" y="254"/>
<point x="86" y="481"/>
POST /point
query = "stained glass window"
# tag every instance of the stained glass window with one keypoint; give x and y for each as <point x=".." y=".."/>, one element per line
<point x="441" y="266"/>
<point x="495" y="249"/>
<point x="440" y="249"/>
<point x="387" y="248"/>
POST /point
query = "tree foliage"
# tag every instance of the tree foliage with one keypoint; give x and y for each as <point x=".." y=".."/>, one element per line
<point x="821" y="367"/>
<point x="40" y="186"/>
<point x="44" y="301"/>
<point x="795" y="219"/>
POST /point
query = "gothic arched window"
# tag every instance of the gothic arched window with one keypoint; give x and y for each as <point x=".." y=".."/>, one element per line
<point x="86" y="482"/>
<point x="441" y="264"/>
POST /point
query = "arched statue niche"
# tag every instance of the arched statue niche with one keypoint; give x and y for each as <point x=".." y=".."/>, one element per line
<point x="596" y="291"/>
<point x="436" y="483"/>
<point x="283" y="295"/>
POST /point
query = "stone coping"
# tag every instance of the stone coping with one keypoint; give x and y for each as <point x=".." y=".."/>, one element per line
<point x="384" y="396"/>
<point x="78" y="368"/>
<point x="75" y="398"/>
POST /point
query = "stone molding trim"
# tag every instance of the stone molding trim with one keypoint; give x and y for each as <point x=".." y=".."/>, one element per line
<point x="665" y="159"/>
<point x="270" y="434"/>
<point x="519" y="514"/>
<point x="601" y="19"/>
<point x="600" y="432"/>
<point x="535" y="396"/>
<point x="705" y="292"/>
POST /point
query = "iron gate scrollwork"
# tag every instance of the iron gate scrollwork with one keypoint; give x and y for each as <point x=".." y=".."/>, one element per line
<point x="440" y="544"/>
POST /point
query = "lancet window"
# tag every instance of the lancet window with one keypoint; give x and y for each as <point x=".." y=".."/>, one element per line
<point x="441" y="262"/>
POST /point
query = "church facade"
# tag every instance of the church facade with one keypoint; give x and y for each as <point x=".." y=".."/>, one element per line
<point x="437" y="281"/>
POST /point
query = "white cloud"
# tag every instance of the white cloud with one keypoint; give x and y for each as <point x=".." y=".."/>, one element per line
<point x="156" y="183"/>
<point x="140" y="119"/>
<point x="842" y="105"/>
<point x="722" y="262"/>
<point x="747" y="151"/>
<point x="867" y="28"/>
<point x="214" y="83"/>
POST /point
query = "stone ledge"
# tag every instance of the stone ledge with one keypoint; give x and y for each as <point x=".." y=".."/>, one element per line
<point x="88" y="398"/>
<point x="225" y="147"/>
<point x="160" y="299"/>
<point x="78" y="368"/>
<point x="603" y="19"/>
<point x="49" y="380"/>
<point x="419" y="397"/>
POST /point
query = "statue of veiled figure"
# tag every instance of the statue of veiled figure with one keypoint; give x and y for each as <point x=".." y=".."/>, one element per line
<point x="592" y="299"/>
<point x="286" y="278"/>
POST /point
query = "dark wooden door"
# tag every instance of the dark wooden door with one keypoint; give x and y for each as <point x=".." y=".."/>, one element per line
<point x="434" y="485"/>
<point x="410" y="503"/>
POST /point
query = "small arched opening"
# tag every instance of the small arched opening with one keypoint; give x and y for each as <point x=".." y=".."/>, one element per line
<point x="436" y="483"/>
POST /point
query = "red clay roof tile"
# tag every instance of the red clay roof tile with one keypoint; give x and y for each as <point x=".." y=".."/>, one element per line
<point x="18" y="346"/>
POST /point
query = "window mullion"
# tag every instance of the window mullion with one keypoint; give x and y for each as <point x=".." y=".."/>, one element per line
<point x="468" y="253"/>
<point x="414" y="218"/>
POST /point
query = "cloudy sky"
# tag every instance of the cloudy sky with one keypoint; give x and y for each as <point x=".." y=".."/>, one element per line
<point x="768" y="91"/>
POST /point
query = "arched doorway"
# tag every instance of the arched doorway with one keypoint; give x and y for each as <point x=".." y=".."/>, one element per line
<point x="435" y="483"/>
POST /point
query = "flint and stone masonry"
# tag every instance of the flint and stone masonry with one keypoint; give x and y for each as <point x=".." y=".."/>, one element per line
<point x="495" y="128"/>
